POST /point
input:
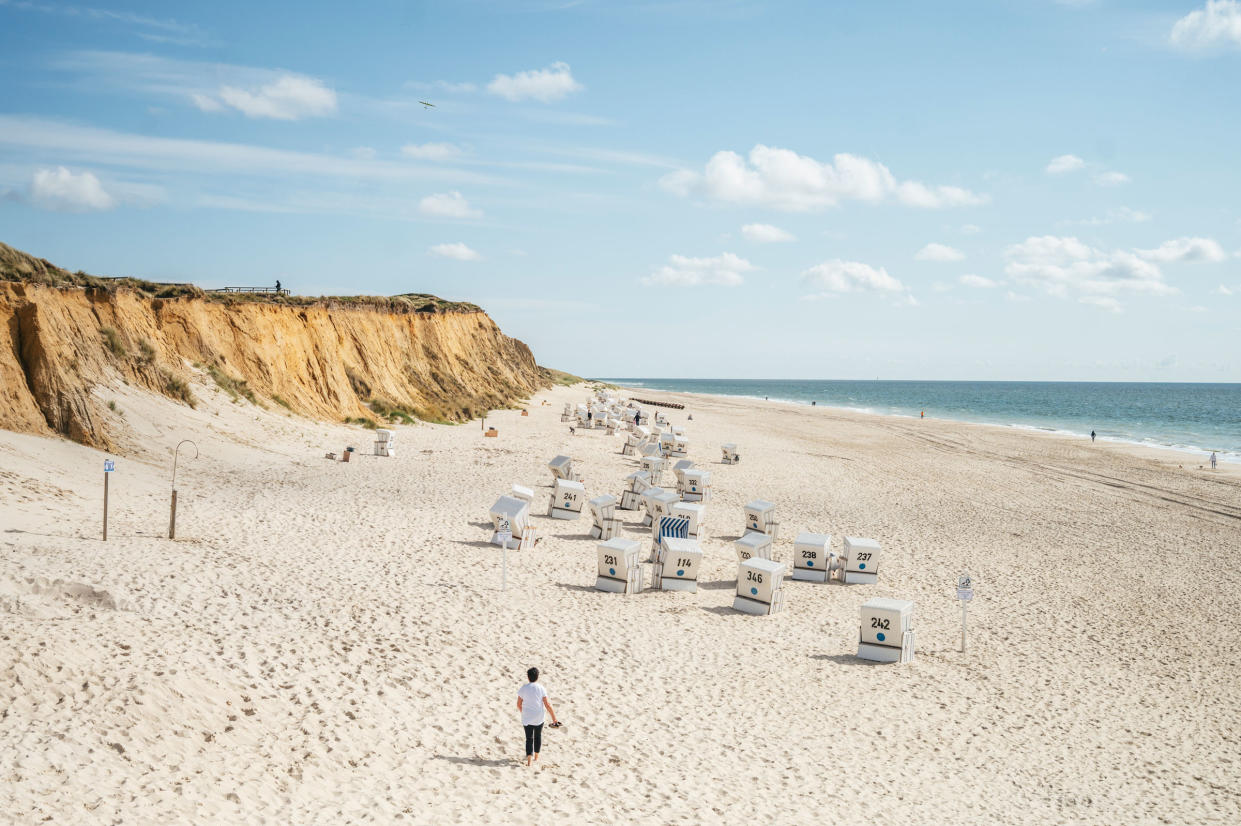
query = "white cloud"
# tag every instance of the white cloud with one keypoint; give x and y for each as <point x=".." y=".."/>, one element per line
<point x="1016" y="297"/>
<point x="457" y="251"/>
<point x="363" y="153"/>
<point x="1105" y="301"/>
<point x="206" y="103"/>
<point x="782" y="179"/>
<point x="544" y="85"/>
<point x="971" y="229"/>
<point x="681" y="271"/>
<point x="1215" y="25"/>
<point x="1067" y="267"/>
<point x="431" y="151"/>
<point x="971" y="280"/>
<point x="939" y="252"/>
<point x="1111" y="178"/>
<point x="160" y="155"/>
<point x="288" y="97"/>
<point x="1185" y="249"/>
<point x="63" y="191"/>
<point x="766" y="234"/>
<point x="442" y="86"/>
<point x="1222" y="290"/>
<point x="837" y="276"/>
<point x="1064" y="163"/>
<point x="448" y="205"/>
<point x="1119" y="215"/>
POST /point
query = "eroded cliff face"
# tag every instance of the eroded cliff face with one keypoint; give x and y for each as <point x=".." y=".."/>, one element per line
<point x="324" y="361"/>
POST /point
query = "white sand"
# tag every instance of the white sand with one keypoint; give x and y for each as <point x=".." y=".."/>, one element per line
<point x="327" y="642"/>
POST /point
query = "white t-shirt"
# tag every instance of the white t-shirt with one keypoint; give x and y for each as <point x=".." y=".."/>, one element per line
<point x="532" y="711"/>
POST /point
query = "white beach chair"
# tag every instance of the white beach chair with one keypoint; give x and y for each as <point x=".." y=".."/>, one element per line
<point x="654" y="466"/>
<point x="678" y="564"/>
<point x="619" y="570"/>
<point x="562" y="468"/>
<point x="603" y="516"/>
<point x="680" y="445"/>
<point x="861" y="561"/>
<point x="513" y="514"/>
<point x="887" y="634"/>
<point x="639" y="482"/>
<point x="667" y="441"/>
<point x="696" y="485"/>
<point x="659" y="503"/>
<point x="523" y="493"/>
<point x="567" y="499"/>
<point x="760" y="516"/>
<point x="752" y="545"/>
<point x="696" y="513"/>
<point x="678" y="470"/>
<point x="731" y="456"/>
<point x="760" y="587"/>
<point x="813" y="557"/>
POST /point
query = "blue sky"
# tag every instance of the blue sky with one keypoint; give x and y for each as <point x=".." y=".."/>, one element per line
<point x="993" y="190"/>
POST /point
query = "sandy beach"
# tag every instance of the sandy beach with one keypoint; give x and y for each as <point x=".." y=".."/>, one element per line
<point x="328" y="642"/>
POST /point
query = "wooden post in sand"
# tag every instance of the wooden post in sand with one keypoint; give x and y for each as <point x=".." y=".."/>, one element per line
<point x="108" y="467"/>
<point x="172" y="514"/>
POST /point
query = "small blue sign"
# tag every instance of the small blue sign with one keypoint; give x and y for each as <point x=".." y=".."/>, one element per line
<point x="880" y="636"/>
<point x="108" y="465"/>
<point x="861" y="566"/>
<point x="612" y="571"/>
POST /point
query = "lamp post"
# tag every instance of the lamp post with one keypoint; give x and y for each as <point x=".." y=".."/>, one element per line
<point x="172" y="517"/>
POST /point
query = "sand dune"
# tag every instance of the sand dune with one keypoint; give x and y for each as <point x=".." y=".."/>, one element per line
<point x="328" y="642"/>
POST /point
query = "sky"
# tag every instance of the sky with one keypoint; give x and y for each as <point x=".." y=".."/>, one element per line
<point x="1010" y="190"/>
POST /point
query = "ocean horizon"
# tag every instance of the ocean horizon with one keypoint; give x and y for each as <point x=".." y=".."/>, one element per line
<point x="1190" y="417"/>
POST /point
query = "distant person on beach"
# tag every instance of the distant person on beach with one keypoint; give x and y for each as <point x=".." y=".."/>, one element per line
<point x="637" y="417"/>
<point x="589" y="415"/>
<point x="531" y="702"/>
<point x="923" y="416"/>
<point x="1092" y="435"/>
<point x="277" y="285"/>
<point x="1212" y="460"/>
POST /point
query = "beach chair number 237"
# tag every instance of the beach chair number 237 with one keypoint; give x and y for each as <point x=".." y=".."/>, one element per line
<point x="862" y="557"/>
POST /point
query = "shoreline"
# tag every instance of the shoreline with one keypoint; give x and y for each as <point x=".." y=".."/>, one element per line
<point x="1229" y="464"/>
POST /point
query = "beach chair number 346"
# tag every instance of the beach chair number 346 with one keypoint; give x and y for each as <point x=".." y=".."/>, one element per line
<point x="751" y="576"/>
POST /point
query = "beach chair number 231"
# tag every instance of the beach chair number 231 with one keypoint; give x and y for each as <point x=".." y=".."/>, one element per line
<point x="609" y="559"/>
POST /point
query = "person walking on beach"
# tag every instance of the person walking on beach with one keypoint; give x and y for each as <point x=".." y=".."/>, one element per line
<point x="1212" y="460"/>
<point x="531" y="702"/>
<point x="1092" y="435"/>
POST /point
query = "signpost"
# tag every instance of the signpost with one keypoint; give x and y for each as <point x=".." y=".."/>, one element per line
<point x="504" y="534"/>
<point x="172" y="516"/>
<point x="965" y="593"/>
<point x="109" y="467"/>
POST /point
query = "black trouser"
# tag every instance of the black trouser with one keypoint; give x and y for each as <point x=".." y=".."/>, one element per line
<point x="534" y="739"/>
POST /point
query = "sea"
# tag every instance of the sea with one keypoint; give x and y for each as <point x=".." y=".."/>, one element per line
<point x="1194" y="418"/>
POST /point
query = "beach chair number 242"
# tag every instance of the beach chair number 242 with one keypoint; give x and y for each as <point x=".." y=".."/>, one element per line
<point x="876" y="622"/>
